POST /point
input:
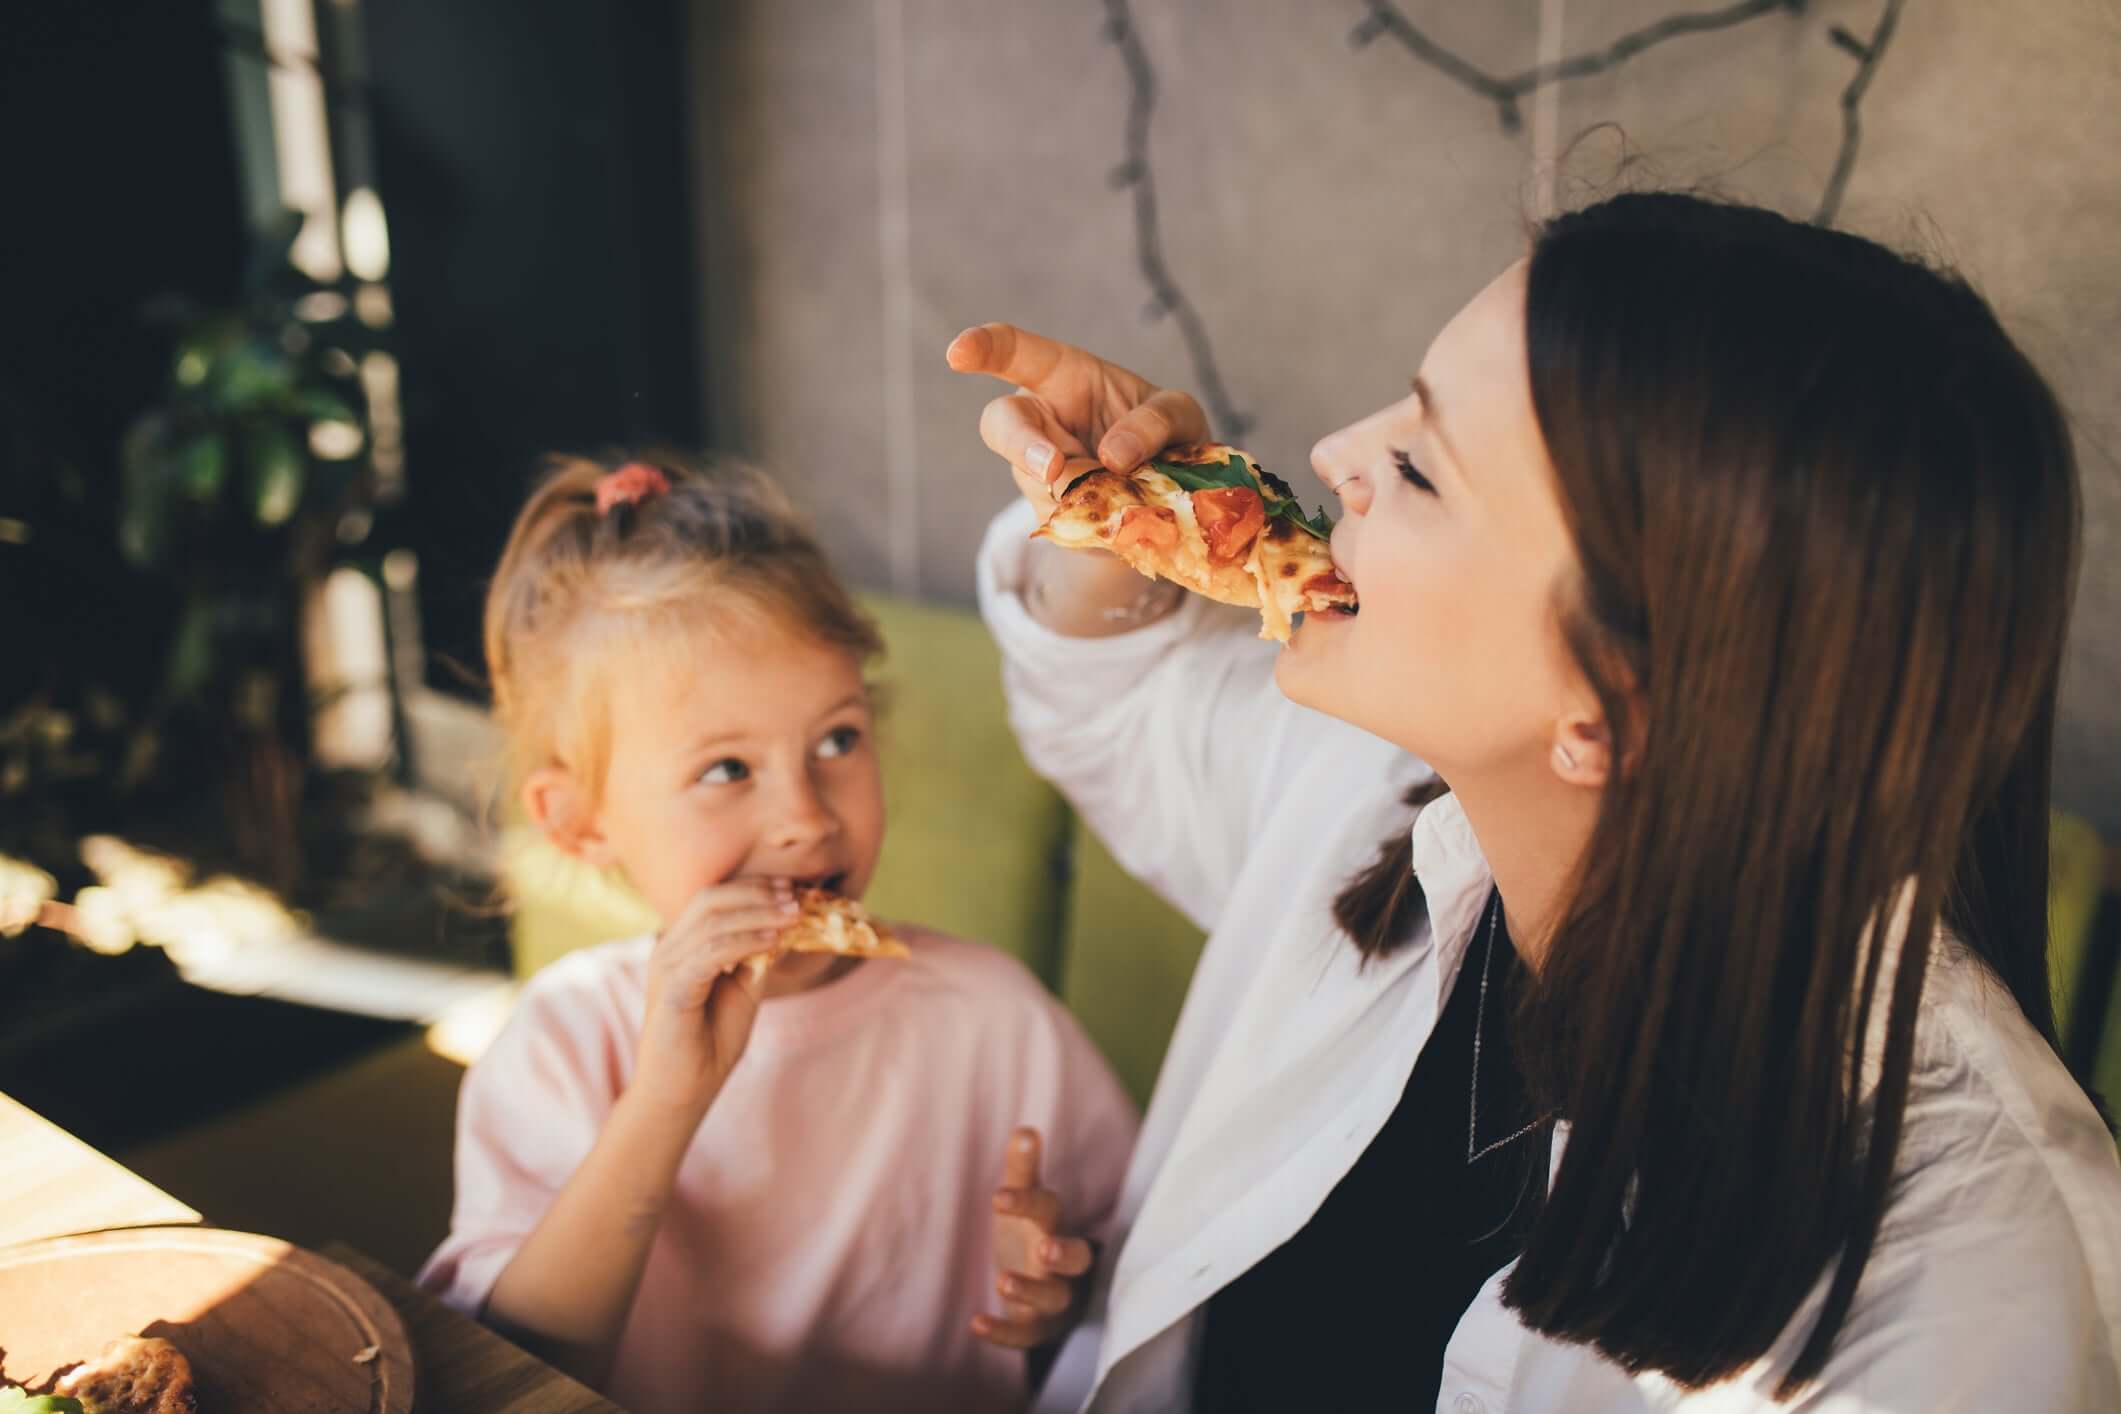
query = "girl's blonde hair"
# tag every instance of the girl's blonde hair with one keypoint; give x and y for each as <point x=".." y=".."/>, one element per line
<point x="578" y="587"/>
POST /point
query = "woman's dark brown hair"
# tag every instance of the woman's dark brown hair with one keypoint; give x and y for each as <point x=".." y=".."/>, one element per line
<point x="1826" y="517"/>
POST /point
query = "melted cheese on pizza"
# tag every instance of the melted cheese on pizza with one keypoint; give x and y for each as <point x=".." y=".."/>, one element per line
<point x="829" y="923"/>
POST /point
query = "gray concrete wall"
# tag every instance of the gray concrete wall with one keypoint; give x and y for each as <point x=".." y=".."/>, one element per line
<point x="875" y="176"/>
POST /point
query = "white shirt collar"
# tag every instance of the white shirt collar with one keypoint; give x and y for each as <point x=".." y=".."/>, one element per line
<point x="1455" y="880"/>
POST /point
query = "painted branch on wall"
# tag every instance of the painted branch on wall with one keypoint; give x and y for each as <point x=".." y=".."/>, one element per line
<point x="1165" y="297"/>
<point x="1506" y="92"/>
<point x="1386" y="18"/>
<point x="1867" y="57"/>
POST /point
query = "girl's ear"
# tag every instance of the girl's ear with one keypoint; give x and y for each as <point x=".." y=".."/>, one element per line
<point x="559" y="807"/>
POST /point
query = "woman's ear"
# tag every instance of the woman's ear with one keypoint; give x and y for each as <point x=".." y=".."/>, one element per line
<point x="559" y="807"/>
<point x="1583" y="751"/>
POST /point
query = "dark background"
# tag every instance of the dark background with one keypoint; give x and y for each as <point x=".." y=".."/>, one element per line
<point x="531" y="161"/>
<point x="530" y="157"/>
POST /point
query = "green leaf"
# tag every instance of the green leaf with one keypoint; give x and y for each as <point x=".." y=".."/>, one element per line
<point x="255" y="373"/>
<point x="191" y="650"/>
<point x="1215" y="476"/>
<point x="202" y="467"/>
<point x="17" y="1400"/>
<point x="195" y="360"/>
<point x="147" y="495"/>
<point x="277" y="466"/>
<point x="1239" y="472"/>
<point x="1231" y="472"/>
<point x="1319" y="525"/>
<point x="319" y="405"/>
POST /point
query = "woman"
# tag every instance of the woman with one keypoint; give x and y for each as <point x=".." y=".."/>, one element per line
<point x="1718" y="568"/>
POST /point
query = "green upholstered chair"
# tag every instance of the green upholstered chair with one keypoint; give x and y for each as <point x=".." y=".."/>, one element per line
<point x="2076" y="881"/>
<point x="1127" y="958"/>
<point x="980" y="847"/>
<point x="977" y="846"/>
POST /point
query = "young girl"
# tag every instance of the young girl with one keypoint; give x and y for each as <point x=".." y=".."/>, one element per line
<point x="686" y="1184"/>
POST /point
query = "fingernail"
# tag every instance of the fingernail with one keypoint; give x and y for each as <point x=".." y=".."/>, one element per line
<point x="1050" y="1251"/>
<point x="1121" y="449"/>
<point x="1039" y="457"/>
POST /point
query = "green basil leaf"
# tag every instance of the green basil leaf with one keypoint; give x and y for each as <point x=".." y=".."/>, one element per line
<point x="16" y="1400"/>
<point x="1236" y="471"/>
<point x="1319" y="525"/>
<point x="1216" y="476"/>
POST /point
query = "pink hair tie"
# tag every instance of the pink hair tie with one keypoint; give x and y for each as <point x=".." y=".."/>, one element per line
<point x="630" y="485"/>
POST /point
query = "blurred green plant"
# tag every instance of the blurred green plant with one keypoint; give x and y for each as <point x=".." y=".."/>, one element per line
<point x="236" y="490"/>
<point x="256" y="449"/>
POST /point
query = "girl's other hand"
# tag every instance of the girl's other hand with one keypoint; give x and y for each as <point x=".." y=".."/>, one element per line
<point x="702" y="998"/>
<point x="1038" y="1272"/>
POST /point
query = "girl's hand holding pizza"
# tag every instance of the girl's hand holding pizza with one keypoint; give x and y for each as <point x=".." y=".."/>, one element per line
<point x="705" y="978"/>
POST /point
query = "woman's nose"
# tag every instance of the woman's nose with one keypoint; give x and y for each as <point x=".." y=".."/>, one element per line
<point x="1337" y="468"/>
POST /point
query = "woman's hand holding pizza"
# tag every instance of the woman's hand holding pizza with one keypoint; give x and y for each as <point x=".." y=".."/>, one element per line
<point x="1037" y="1269"/>
<point x="1071" y="409"/>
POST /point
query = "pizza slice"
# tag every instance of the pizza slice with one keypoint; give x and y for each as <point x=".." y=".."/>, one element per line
<point x="1208" y="517"/>
<point x="135" y="1375"/>
<point x="826" y="922"/>
<point x="829" y="923"/>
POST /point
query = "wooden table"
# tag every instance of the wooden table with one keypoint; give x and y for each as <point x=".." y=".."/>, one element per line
<point x="461" y="1366"/>
<point x="53" y="1185"/>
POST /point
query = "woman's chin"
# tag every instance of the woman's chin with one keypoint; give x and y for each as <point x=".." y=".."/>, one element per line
<point x="1300" y="668"/>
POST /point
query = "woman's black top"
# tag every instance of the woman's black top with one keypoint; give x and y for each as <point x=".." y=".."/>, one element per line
<point x="1354" y="1311"/>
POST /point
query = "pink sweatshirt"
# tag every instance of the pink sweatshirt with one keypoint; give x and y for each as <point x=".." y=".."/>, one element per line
<point x="828" y="1239"/>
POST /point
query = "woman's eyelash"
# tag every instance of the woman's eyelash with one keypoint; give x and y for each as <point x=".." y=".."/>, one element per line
<point x="1407" y="469"/>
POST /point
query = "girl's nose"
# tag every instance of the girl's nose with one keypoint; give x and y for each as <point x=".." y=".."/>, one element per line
<point x="802" y="818"/>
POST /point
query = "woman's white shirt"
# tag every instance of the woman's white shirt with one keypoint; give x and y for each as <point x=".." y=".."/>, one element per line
<point x="1995" y="1283"/>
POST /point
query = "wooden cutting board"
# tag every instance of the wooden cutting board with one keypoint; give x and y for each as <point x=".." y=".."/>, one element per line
<point x="268" y="1327"/>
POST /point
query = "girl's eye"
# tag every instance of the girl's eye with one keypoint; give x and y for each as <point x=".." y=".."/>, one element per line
<point x="726" y="772"/>
<point x="1414" y="477"/>
<point x="839" y="741"/>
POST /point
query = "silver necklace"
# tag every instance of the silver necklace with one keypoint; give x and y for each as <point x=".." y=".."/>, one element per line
<point x="1480" y="1017"/>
